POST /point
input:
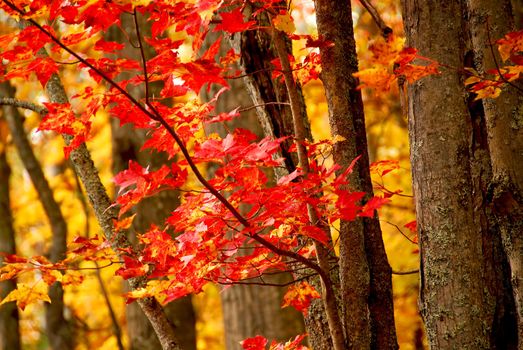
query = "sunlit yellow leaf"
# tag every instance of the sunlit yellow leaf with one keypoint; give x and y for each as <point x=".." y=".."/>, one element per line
<point x="377" y="78"/>
<point x="284" y="23"/>
<point x="472" y="80"/>
<point x="338" y="138"/>
<point x="73" y="278"/>
<point x="26" y="294"/>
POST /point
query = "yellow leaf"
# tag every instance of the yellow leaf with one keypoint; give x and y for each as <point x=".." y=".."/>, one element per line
<point x="50" y="276"/>
<point x="472" y="80"/>
<point x="73" y="278"/>
<point x="284" y="23"/>
<point x="488" y="92"/>
<point x="377" y="78"/>
<point x="300" y="296"/>
<point x="25" y="295"/>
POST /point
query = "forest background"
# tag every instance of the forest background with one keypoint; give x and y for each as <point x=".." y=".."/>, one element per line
<point x="93" y="296"/>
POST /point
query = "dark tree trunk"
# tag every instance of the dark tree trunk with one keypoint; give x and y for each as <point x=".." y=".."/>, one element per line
<point x="504" y="126"/>
<point x="366" y="283"/>
<point x="252" y="310"/>
<point x="126" y="145"/>
<point x="9" y="329"/>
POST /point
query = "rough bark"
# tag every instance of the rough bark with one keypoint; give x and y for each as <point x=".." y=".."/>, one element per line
<point x="9" y="317"/>
<point x="126" y="145"/>
<point x="500" y="315"/>
<point x="58" y="329"/>
<point x="454" y="309"/>
<point x="504" y="124"/>
<point x="365" y="274"/>
<point x="517" y="8"/>
<point x="256" y="51"/>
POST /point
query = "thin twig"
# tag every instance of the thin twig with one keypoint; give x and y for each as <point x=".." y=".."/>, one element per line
<point x="142" y="55"/>
<point x="386" y="31"/>
<point x="400" y="231"/>
<point x="263" y="105"/>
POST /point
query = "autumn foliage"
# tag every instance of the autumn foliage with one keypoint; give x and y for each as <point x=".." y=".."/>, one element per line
<point x="201" y="240"/>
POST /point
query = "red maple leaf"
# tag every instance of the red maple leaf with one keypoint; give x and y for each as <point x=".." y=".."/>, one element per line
<point x="233" y="22"/>
<point x="255" y="343"/>
<point x="373" y="204"/>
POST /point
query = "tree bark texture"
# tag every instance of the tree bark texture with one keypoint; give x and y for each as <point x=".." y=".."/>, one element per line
<point x="58" y="329"/>
<point x="458" y="314"/>
<point x="365" y="274"/>
<point x="126" y="144"/>
<point x="256" y="51"/>
<point x="249" y="310"/>
<point x="9" y="316"/>
<point x="490" y="21"/>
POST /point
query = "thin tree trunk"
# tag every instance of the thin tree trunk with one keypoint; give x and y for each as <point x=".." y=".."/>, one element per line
<point x="59" y="330"/>
<point x="454" y="309"/>
<point x="9" y="317"/>
<point x="504" y="123"/>
<point x="365" y="274"/>
<point x="256" y="51"/>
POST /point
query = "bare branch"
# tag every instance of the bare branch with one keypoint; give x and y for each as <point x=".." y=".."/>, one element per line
<point x="386" y="31"/>
<point x="10" y="101"/>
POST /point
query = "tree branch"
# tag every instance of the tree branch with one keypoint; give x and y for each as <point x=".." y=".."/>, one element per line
<point x="329" y="297"/>
<point x="408" y="272"/>
<point x="59" y="330"/>
<point x="10" y="101"/>
<point x="386" y="31"/>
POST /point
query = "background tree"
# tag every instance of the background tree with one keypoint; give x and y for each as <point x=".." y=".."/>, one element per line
<point x="9" y="329"/>
<point x="249" y="310"/>
<point x="126" y="145"/>
<point x="59" y="329"/>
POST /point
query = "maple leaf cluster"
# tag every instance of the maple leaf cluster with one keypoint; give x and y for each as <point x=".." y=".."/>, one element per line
<point x="202" y="238"/>
<point x="391" y="64"/>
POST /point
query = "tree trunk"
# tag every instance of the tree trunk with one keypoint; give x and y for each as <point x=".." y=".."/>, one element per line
<point x="504" y="124"/>
<point x="256" y="51"/>
<point x="366" y="282"/>
<point x="105" y="215"/>
<point x="456" y="312"/>
<point x="59" y="330"/>
<point x="9" y="317"/>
